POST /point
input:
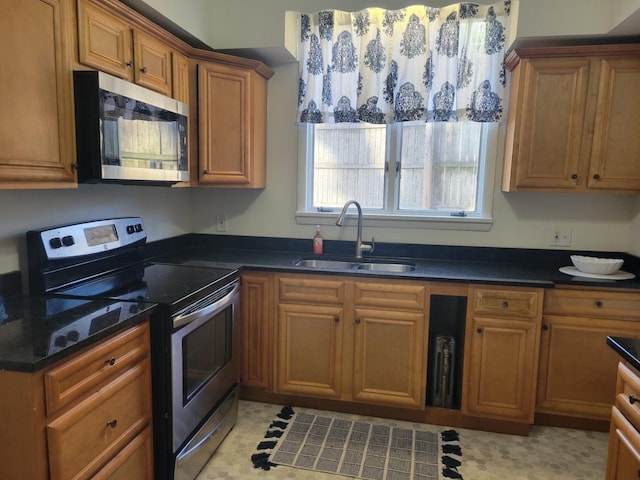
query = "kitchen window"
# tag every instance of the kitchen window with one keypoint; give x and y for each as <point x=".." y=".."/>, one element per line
<point x="399" y="110"/>
<point x="408" y="174"/>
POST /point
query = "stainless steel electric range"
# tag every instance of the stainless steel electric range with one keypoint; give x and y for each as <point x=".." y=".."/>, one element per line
<point x="194" y="331"/>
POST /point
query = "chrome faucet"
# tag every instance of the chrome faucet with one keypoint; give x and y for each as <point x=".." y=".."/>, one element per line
<point x="360" y="247"/>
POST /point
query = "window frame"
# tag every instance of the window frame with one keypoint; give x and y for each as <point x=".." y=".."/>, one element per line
<point x="482" y="220"/>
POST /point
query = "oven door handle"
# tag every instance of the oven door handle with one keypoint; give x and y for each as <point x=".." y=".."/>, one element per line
<point x="183" y="319"/>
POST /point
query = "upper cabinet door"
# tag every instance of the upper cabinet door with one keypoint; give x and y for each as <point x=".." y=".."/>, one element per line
<point x="615" y="155"/>
<point x="232" y="124"/>
<point x="152" y="62"/>
<point x="104" y="41"/>
<point x="548" y="102"/>
<point x="37" y="143"/>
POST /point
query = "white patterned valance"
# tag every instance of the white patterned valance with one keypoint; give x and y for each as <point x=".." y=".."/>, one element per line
<point x="417" y="63"/>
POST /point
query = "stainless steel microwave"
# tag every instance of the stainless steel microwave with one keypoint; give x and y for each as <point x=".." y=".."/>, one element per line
<point x="128" y="134"/>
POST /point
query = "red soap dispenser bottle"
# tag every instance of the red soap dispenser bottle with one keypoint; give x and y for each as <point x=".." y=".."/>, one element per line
<point x="317" y="241"/>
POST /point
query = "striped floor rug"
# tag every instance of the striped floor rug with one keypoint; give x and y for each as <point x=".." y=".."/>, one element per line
<point x="357" y="448"/>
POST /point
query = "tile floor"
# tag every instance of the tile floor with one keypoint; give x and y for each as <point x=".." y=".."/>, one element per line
<point x="546" y="454"/>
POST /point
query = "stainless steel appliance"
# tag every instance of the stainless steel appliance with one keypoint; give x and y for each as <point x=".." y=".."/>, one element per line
<point x="128" y="134"/>
<point x="194" y="334"/>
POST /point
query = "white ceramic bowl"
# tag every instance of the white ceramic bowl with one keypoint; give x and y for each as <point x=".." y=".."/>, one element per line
<point x="600" y="266"/>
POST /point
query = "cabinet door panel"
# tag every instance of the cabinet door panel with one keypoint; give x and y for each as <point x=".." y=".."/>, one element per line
<point x="152" y="62"/>
<point x="615" y="156"/>
<point x="257" y="329"/>
<point x="390" y="358"/>
<point x="37" y="144"/>
<point x="499" y="369"/>
<point x="549" y="135"/>
<point x="224" y="124"/>
<point x="104" y="41"/>
<point x="577" y="369"/>
<point x="310" y="350"/>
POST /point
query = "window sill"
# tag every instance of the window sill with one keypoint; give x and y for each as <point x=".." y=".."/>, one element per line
<point x="477" y="224"/>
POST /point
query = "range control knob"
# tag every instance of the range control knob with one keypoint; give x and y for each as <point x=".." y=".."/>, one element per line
<point x="131" y="229"/>
<point x="139" y="227"/>
<point x="55" y="242"/>
<point x="68" y="240"/>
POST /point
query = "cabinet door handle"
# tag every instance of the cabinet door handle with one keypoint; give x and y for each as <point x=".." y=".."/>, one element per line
<point x="205" y="172"/>
<point x="110" y="361"/>
<point x="633" y="399"/>
<point x="596" y="177"/>
<point x="599" y="303"/>
<point x="505" y="304"/>
<point x="357" y="321"/>
<point x="130" y="63"/>
<point x="336" y="319"/>
<point x="143" y="69"/>
<point x="545" y="327"/>
<point x="112" y="423"/>
<point x="479" y="330"/>
<point x="574" y="176"/>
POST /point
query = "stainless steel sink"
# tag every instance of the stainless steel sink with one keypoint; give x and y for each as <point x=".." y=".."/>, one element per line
<point x="335" y="264"/>
<point x="387" y="267"/>
<point x="319" y="263"/>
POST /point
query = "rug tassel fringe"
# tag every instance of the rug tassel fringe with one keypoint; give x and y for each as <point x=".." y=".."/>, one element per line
<point x="276" y="430"/>
<point x="451" y="464"/>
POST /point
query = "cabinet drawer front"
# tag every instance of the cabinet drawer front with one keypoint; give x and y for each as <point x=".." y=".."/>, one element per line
<point x="628" y="393"/>
<point x="519" y="303"/>
<point x="134" y="461"/>
<point x="86" y="372"/>
<point x="623" y="458"/>
<point x="311" y="290"/>
<point x="390" y="295"/>
<point x="592" y="303"/>
<point x="89" y="435"/>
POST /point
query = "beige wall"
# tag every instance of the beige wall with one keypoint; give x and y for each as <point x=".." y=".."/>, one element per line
<point x="521" y="220"/>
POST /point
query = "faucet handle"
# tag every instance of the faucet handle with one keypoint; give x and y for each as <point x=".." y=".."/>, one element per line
<point x="369" y="248"/>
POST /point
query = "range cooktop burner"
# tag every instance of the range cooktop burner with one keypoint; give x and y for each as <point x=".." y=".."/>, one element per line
<point x="166" y="284"/>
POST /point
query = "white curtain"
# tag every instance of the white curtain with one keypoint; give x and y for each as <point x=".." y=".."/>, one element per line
<point x="417" y="63"/>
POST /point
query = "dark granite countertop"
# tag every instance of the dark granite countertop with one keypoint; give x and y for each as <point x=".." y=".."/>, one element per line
<point x="519" y="267"/>
<point x="628" y="348"/>
<point x="36" y="332"/>
<point x="27" y="328"/>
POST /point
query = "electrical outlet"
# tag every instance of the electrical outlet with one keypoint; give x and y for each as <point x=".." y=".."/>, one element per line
<point x="221" y="223"/>
<point x="560" y="237"/>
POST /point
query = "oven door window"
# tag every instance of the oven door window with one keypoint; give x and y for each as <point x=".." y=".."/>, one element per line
<point x="205" y="351"/>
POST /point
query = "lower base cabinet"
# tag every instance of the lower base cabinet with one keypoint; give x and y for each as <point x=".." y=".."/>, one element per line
<point x="88" y="416"/>
<point x="577" y="376"/>
<point x="500" y="361"/>
<point x="351" y="340"/>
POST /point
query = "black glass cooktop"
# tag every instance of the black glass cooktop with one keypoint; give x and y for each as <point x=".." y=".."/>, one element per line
<point x="169" y="285"/>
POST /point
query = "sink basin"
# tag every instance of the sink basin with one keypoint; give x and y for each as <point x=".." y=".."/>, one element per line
<point x="318" y="263"/>
<point x="387" y="267"/>
<point x="336" y="264"/>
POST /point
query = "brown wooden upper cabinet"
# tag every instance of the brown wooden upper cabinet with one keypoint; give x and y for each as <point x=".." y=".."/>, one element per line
<point x="37" y="143"/>
<point x="232" y="110"/>
<point x="574" y="119"/>
<point x="112" y="45"/>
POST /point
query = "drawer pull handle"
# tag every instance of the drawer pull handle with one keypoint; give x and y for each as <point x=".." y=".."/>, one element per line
<point x="113" y="423"/>
<point x="633" y="399"/>
<point x="110" y="361"/>
<point x="505" y="304"/>
<point x="599" y="303"/>
<point x="143" y="70"/>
